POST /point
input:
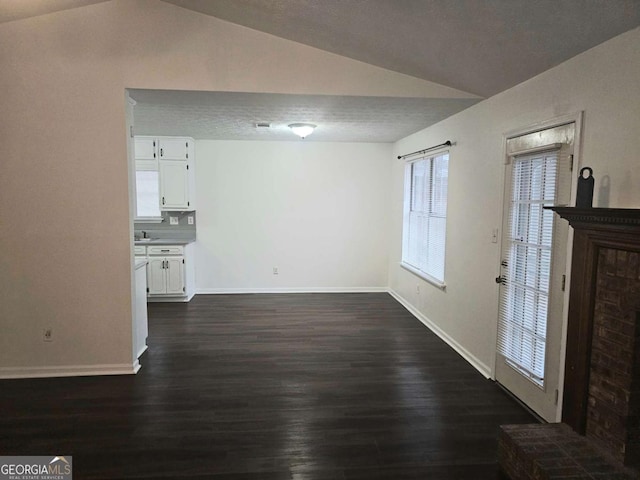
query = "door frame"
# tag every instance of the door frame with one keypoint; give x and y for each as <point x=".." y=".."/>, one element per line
<point x="577" y="119"/>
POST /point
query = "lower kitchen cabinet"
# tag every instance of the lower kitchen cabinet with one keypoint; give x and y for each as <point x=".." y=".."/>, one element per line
<point x="166" y="276"/>
<point x="170" y="273"/>
<point x="141" y="329"/>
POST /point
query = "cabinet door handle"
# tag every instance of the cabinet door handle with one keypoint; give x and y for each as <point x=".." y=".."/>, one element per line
<point x="163" y="200"/>
<point x="161" y="152"/>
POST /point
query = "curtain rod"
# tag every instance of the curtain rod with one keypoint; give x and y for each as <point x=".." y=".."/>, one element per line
<point x="445" y="144"/>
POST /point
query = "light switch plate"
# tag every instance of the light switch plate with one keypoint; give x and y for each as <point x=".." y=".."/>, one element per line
<point x="173" y="220"/>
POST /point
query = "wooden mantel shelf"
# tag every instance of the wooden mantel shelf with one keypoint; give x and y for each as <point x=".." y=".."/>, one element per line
<point x="600" y="218"/>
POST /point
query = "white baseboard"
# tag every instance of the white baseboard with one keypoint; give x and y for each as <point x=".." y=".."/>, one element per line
<point x="157" y="299"/>
<point x="473" y="360"/>
<point x="142" y="350"/>
<point x="69" y="371"/>
<point x="225" y="291"/>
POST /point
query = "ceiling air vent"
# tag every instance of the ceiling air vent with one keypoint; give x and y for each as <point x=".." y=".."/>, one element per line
<point x="263" y="125"/>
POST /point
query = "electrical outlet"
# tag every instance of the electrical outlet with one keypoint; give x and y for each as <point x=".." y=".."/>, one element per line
<point x="173" y="220"/>
<point x="275" y="270"/>
<point x="47" y="335"/>
<point x="190" y="219"/>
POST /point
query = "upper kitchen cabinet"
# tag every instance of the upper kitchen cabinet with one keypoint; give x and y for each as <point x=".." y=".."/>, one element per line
<point x="177" y="179"/>
<point x="175" y="193"/>
<point x="167" y="165"/>
<point x="145" y="148"/>
<point x="175" y="148"/>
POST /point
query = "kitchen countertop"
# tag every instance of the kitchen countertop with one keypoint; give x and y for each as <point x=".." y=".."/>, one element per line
<point x="164" y="241"/>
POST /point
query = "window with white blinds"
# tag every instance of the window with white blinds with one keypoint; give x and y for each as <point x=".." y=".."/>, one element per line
<point x="147" y="194"/>
<point x="527" y="264"/>
<point x="425" y="216"/>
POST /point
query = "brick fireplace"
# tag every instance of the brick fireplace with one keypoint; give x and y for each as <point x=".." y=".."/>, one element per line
<point x="602" y="374"/>
<point x="600" y="434"/>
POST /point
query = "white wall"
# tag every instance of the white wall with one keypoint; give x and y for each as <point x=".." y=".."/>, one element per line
<point x="65" y="232"/>
<point x="603" y="83"/>
<point x="317" y="211"/>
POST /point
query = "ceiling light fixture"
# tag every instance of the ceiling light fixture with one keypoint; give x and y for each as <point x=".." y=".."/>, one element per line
<point x="302" y="129"/>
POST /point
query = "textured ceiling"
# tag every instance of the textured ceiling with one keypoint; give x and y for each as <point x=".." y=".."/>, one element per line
<point x="233" y="116"/>
<point x="478" y="46"/>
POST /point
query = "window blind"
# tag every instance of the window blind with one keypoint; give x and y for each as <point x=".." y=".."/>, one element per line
<point x="527" y="264"/>
<point x="147" y="193"/>
<point x="426" y="182"/>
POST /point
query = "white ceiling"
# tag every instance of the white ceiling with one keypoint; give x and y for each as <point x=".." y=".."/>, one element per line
<point x="233" y="116"/>
<point x="478" y="46"/>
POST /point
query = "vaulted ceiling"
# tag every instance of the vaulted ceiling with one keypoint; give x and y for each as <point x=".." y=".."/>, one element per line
<point x="481" y="47"/>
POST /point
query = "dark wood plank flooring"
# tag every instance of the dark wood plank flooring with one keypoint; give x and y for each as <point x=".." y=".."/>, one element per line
<point x="244" y="387"/>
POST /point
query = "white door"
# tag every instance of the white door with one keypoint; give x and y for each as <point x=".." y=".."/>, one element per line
<point x="156" y="277"/>
<point x="533" y="264"/>
<point x="174" y="148"/>
<point x="145" y="148"/>
<point x="175" y="275"/>
<point x="174" y="185"/>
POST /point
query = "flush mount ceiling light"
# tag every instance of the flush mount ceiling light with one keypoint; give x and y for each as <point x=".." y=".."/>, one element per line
<point x="302" y="129"/>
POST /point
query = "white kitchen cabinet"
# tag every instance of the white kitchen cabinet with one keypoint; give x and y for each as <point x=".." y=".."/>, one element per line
<point x="141" y="329"/>
<point x="175" y="193"/>
<point x="157" y="276"/>
<point x="145" y="148"/>
<point x="170" y="273"/>
<point x="165" y="275"/>
<point x="175" y="148"/>
<point x="172" y="158"/>
<point x="175" y="276"/>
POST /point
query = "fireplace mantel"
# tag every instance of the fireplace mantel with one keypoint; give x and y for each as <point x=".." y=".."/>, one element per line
<point x="602" y="370"/>
<point x="600" y="218"/>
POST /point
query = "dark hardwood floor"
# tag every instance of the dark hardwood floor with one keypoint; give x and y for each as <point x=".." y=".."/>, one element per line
<point x="244" y="387"/>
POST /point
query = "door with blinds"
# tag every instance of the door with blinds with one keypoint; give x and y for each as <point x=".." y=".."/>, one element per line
<point x="534" y="243"/>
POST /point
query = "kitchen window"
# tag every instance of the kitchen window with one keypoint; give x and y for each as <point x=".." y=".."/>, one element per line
<point x="147" y="191"/>
<point x="425" y="217"/>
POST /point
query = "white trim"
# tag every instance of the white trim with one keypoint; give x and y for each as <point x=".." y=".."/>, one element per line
<point x="577" y="119"/>
<point x="544" y="125"/>
<point x="169" y="298"/>
<point x="485" y="370"/>
<point x="140" y="352"/>
<point x="541" y="148"/>
<point x="424" y="276"/>
<point x="69" y="370"/>
<point x="224" y="291"/>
